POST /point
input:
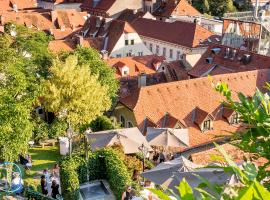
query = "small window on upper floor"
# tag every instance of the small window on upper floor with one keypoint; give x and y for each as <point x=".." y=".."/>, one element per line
<point x="118" y="55"/>
<point x="235" y="118"/>
<point x="157" y="49"/>
<point x="122" y="121"/>
<point x="140" y="53"/>
<point x="171" y="53"/>
<point x="128" y="54"/>
<point x="151" y="47"/>
<point x="130" y="125"/>
<point x="126" y="42"/>
<point x="132" y="42"/>
<point x="179" y="56"/>
<point x="164" y="51"/>
<point x="207" y="125"/>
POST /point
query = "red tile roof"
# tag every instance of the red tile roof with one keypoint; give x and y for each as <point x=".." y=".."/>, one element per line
<point x="182" y="33"/>
<point x="208" y="157"/>
<point x="222" y="65"/>
<point x="102" y="5"/>
<point x="7" y="5"/>
<point x="176" y="8"/>
<point x="136" y="65"/>
<point x="115" y="30"/>
<point x="180" y="98"/>
<point x="128" y="15"/>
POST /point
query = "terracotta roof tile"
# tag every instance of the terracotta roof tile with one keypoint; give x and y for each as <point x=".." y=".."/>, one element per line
<point x="180" y="98"/>
<point x="201" y="115"/>
<point x="101" y="6"/>
<point x="182" y="33"/>
<point x="7" y="5"/>
<point x="129" y="16"/>
<point x="136" y="65"/>
<point x="115" y="30"/>
<point x="208" y="156"/>
<point x="176" y="8"/>
<point x="222" y="65"/>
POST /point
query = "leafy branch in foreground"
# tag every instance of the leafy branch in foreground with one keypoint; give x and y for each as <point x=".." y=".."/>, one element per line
<point x="254" y="111"/>
<point x="247" y="187"/>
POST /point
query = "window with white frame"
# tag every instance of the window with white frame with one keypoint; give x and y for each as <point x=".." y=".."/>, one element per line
<point x="171" y="53"/>
<point x="122" y="121"/>
<point x="132" y="42"/>
<point x="140" y="53"/>
<point x="157" y="49"/>
<point x="235" y="119"/>
<point x="151" y="47"/>
<point x="118" y="55"/>
<point x="179" y="55"/>
<point x="164" y="51"/>
<point x="207" y="125"/>
<point x="126" y="42"/>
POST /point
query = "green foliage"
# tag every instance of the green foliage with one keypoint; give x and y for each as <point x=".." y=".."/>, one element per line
<point x="98" y="67"/>
<point x="73" y="93"/>
<point x="214" y="7"/>
<point x="148" y="164"/>
<point x="102" y="123"/>
<point x="32" y="194"/>
<point x="248" y="188"/>
<point x="255" y="113"/>
<point x="103" y="164"/>
<point x="40" y="131"/>
<point x="19" y="87"/>
<point x="57" y="128"/>
<point x="70" y="182"/>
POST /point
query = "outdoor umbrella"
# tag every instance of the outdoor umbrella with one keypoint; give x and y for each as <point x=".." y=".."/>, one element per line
<point x="164" y="171"/>
<point x="167" y="137"/>
<point x="130" y="139"/>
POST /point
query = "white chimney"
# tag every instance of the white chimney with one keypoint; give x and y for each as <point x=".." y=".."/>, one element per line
<point x="141" y="80"/>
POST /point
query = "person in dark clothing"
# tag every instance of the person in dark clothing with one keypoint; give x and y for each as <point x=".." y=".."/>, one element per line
<point x="161" y="157"/>
<point x="43" y="184"/>
<point x="127" y="194"/>
<point x="55" y="189"/>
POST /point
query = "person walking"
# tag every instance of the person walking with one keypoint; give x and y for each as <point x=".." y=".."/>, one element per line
<point x="55" y="189"/>
<point x="44" y="186"/>
<point x="161" y="157"/>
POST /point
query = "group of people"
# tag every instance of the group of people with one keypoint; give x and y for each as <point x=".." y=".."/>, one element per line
<point x="159" y="157"/>
<point x="46" y="178"/>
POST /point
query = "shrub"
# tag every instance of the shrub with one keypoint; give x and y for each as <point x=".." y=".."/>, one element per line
<point x="57" y="128"/>
<point x="70" y="180"/>
<point x="148" y="164"/>
<point x="40" y="131"/>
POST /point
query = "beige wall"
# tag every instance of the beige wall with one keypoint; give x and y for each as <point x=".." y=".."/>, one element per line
<point x="121" y="5"/>
<point x="126" y="113"/>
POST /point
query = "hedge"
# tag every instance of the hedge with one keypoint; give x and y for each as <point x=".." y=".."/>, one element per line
<point x="30" y="193"/>
<point x="70" y="178"/>
<point x="103" y="164"/>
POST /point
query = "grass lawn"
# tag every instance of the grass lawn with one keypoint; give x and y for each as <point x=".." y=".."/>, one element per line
<point x="42" y="158"/>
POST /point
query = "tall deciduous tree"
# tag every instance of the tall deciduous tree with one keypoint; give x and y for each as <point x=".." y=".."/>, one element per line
<point x="105" y="74"/>
<point x="74" y="93"/>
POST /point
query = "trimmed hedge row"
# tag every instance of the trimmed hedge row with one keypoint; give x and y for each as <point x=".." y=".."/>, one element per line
<point x="103" y="164"/>
<point x="70" y="178"/>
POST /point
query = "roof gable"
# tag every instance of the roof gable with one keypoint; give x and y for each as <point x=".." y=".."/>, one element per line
<point x="201" y="116"/>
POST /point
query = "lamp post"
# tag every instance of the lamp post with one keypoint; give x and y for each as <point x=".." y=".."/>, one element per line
<point x="144" y="151"/>
<point x="69" y="135"/>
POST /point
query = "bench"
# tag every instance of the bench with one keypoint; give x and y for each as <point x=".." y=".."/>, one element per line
<point x="50" y="142"/>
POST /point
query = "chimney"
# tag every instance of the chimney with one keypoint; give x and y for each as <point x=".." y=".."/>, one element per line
<point x="141" y="80"/>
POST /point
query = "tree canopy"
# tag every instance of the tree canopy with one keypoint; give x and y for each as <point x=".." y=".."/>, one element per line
<point x="73" y="93"/>
<point x="97" y="66"/>
<point x="19" y="86"/>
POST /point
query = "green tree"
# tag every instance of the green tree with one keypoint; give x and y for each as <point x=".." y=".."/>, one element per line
<point x="105" y="73"/>
<point x="255" y="113"/>
<point x="230" y="7"/>
<point x="102" y="123"/>
<point x="206" y="6"/>
<point x="73" y="93"/>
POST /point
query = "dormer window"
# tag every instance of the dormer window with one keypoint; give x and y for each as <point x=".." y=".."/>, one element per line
<point x="125" y="72"/>
<point x="235" y="119"/>
<point x="207" y="125"/>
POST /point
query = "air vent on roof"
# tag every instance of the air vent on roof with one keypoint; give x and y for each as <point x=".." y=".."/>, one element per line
<point x="209" y="60"/>
<point x="227" y="53"/>
<point x="215" y="50"/>
<point x="217" y="39"/>
<point x="233" y="54"/>
<point x="209" y="40"/>
<point x="246" y="59"/>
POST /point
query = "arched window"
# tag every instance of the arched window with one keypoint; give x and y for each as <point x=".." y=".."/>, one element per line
<point x="122" y="121"/>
